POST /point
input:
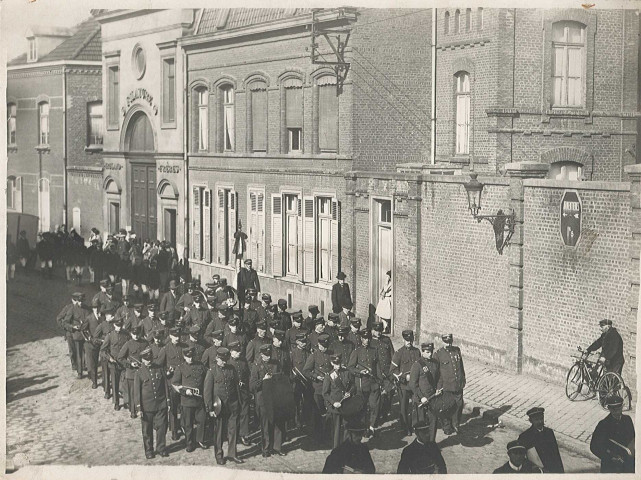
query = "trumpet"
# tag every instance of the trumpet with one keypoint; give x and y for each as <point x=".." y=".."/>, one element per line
<point x="133" y="362"/>
<point x="345" y="397"/>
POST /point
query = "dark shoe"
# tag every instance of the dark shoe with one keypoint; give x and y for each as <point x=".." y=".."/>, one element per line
<point x="266" y="454"/>
<point x="133" y="415"/>
<point x="280" y="453"/>
<point x="107" y="395"/>
<point x="175" y="437"/>
<point x="80" y="375"/>
<point x="236" y="460"/>
<point x="190" y="449"/>
<point x="220" y="461"/>
<point x="245" y="441"/>
<point x="448" y="432"/>
<point x="117" y="407"/>
<point x="203" y="446"/>
<point x="163" y="453"/>
<point x="94" y="386"/>
<point x="149" y="455"/>
<point x="125" y="406"/>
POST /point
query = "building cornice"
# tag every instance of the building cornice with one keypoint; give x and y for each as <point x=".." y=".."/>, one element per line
<point x="58" y="63"/>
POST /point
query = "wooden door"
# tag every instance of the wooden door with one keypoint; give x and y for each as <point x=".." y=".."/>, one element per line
<point x="143" y="212"/>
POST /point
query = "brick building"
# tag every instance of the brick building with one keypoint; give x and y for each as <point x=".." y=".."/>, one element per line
<point x="54" y="127"/>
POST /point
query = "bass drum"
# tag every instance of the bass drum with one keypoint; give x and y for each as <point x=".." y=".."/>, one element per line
<point x="443" y="405"/>
<point x="352" y="406"/>
<point x="278" y="395"/>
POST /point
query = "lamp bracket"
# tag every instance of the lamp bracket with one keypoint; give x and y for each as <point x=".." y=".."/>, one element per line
<point x="503" y="225"/>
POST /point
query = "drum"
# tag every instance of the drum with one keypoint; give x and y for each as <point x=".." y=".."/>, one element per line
<point x="278" y="396"/>
<point x="352" y="406"/>
<point x="443" y="405"/>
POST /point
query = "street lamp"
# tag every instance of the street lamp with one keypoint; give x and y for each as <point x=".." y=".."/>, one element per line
<point x="502" y="223"/>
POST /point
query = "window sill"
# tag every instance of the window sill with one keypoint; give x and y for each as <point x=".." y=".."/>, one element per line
<point x="460" y="158"/>
<point x="574" y="112"/>
<point x="42" y="148"/>
<point x="113" y="127"/>
<point x="168" y="126"/>
<point x="93" y="149"/>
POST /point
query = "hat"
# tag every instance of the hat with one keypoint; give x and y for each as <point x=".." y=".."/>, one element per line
<point x="233" y="320"/>
<point x="422" y="425"/>
<point x="218" y="334"/>
<point x="147" y="354"/>
<point x="605" y="321"/>
<point x="215" y="277"/>
<point x="515" y="445"/>
<point x="151" y="307"/>
<point x="341" y="276"/>
<point x="347" y="304"/>
<point x="251" y="291"/>
<point x="408" y="334"/>
<point x="447" y="337"/>
<point x="223" y="353"/>
<point x="248" y="261"/>
<point x="262" y="325"/>
<point x="323" y="339"/>
<point x="122" y="231"/>
<point x="614" y="401"/>
<point x="282" y="302"/>
<point x="335" y="358"/>
<point x="188" y="352"/>
<point x="427" y="347"/>
<point x="266" y="297"/>
<point x="279" y="334"/>
<point x="194" y="329"/>
<point x="158" y="334"/>
<point x="343" y="330"/>
<point x="174" y="332"/>
<point x="378" y="326"/>
<point x="319" y="321"/>
<point x="357" y="322"/>
<point x="164" y="315"/>
<point x="78" y="296"/>
<point x="104" y="282"/>
<point x="332" y="316"/>
<point x="272" y="308"/>
<point x="356" y="426"/>
<point x="235" y="346"/>
<point x="136" y="330"/>
<point x="532" y="412"/>
<point x="266" y="349"/>
<point x="109" y="310"/>
<point x="119" y="321"/>
<point x="313" y="309"/>
<point x="297" y="316"/>
<point x="365" y="333"/>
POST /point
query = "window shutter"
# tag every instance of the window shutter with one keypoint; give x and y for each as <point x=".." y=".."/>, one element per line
<point x="207" y="225"/>
<point x="336" y="254"/>
<point x="294" y="107"/>
<point x="559" y="75"/>
<point x="232" y="225"/>
<point x="277" y="235"/>
<point x="328" y="118"/>
<point x="260" y="250"/>
<point x="309" y="240"/>
<point x="575" y="74"/>
<point x="259" y="120"/>
<point x="300" y="240"/>
<point x="252" y="217"/>
<point x="196" y="224"/>
<point x="220" y="227"/>
<point x="17" y="198"/>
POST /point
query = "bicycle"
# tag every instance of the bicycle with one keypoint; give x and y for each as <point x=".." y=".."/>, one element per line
<point x="586" y="379"/>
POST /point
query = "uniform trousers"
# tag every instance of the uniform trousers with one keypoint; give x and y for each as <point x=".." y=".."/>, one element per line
<point x="72" y="354"/>
<point x="404" y="396"/>
<point x="130" y="395"/>
<point x="174" y="397"/>
<point x="91" y="357"/>
<point x="318" y="414"/>
<point x="303" y="399"/>
<point x="151" y="421"/>
<point x="273" y="431"/>
<point x="191" y="416"/>
<point x="372" y="396"/>
<point x="227" y="421"/>
<point x="79" y="353"/>
<point x="420" y="414"/>
<point x="338" y="436"/>
<point x="114" y="379"/>
<point x="243" y="412"/>
<point x="454" y="419"/>
<point x="106" y="377"/>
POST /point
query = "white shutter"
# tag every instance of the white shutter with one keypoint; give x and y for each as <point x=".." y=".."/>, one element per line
<point x="336" y="254"/>
<point x="260" y="223"/>
<point x="220" y="227"/>
<point x="196" y="223"/>
<point x="300" y="239"/>
<point x="309" y="240"/>
<point x="207" y="225"/>
<point x="252" y="220"/>
<point x="233" y="223"/>
<point x="17" y="198"/>
<point x="277" y="235"/>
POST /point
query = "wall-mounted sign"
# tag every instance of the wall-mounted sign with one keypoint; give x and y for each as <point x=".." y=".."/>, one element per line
<point x="169" y="168"/>
<point x="113" y="166"/>
<point x="570" y="218"/>
<point x="140" y="94"/>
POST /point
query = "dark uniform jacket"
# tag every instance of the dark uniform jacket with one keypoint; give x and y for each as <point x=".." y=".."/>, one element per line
<point x="345" y="348"/>
<point x="452" y="371"/>
<point x="126" y="313"/>
<point x="158" y="356"/>
<point x="544" y="442"/>
<point x="172" y="355"/>
<point x="250" y="318"/>
<point x="611" y="345"/>
<point x="193" y="376"/>
<point x="90" y="326"/>
<point x="385" y="349"/>
<point x="341" y="297"/>
<point x="73" y="320"/>
<point x="231" y="337"/>
<point x="209" y="356"/>
<point x="299" y="357"/>
<point x="318" y="364"/>
<point x="247" y="279"/>
<point x="150" y="388"/>
<point x="101" y="298"/>
<point x="280" y="355"/>
<point x="354" y="338"/>
<point x="131" y="349"/>
<point x="344" y="319"/>
<point x="168" y="302"/>
<point x="109" y="303"/>
<point x="365" y="357"/>
<point x="61" y="317"/>
<point x="185" y="300"/>
<point x="149" y="324"/>
<point x="198" y="316"/>
<point x="103" y="330"/>
<point x="421" y="458"/>
<point x="402" y="362"/>
<point x="253" y="348"/>
<point x="290" y="336"/>
<point x="199" y="348"/>
<point x="424" y="376"/>
<point x="114" y="342"/>
<point x="132" y="322"/>
<point x="350" y="458"/>
<point x="526" y="467"/>
<point x="313" y="339"/>
<point x="621" y="431"/>
<point x="258" y="372"/>
<point x="334" y="389"/>
<point x="220" y="382"/>
<point x="242" y="370"/>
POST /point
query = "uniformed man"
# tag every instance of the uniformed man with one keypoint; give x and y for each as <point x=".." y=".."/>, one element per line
<point x="110" y="301"/>
<point x="424" y="376"/>
<point x="332" y="325"/>
<point x="280" y="354"/>
<point x="283" y="315"/>
<point x="247" y="278"/>
<point x="157" y="345"/>
<point x="234" y="334"/>
<point x="150" y="397"/>
<point x="272" y="429"/>
<point x="76" y="304"/>
<point x="189" y="380"/>
<point x="337" y="387"/>
<point x="150" y="322"/>
<point x="452" y="380"/>
<point x="317" y="366"/>
<point x="239" y="362"/>
<point x="363" y="363"/>
<point x="302" y="391"/>
<point x="194" y="341"/>
<point x="249" y="313"/>
<point x="422" y="455"/>
<point x="271" y="319"/>
<point x="385" y="350"/>
<point x="402" y="362"/>
<point x="319" y="329"/>
<point x="92" y="342"/>
<point x="172" y="357"/>
<point x="253" y="347"/>
<point x="101" y="296"/>
<point x="314" y="312"/>
<point x="297" y="329"/>
<point x="199" y="314"/>
<point x="351" y="456"/>
<point x="265" y="301"/>
<point x="343" y="346"/>
<point x="72" y="323"/>
<point x="613" y="439"/>
<point x="110" y="348"/>
<point x="354" y="329"/>
<point x="104" y="329"/>
<point x="186" y="300"/>
<point x="611" y="345"/>
<point x="543" y="440"/>
<point x="166" y="323"/>
<point x="218" y="322"/>
<point x="135" y="320"/>
<point x="221" y="382"/>
<point x="127" y="358"/>
<point x="346" y="315"/>
<point x="518" y="462"/>
<point x="209" y="356"/>
<point x="126" y="311"/>
<point x="169" y="300"/>
<point x="341" y="296"/>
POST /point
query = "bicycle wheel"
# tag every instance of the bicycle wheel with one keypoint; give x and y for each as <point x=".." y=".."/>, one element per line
<point x="574" y="382"/>
<point x="611" y="384"/>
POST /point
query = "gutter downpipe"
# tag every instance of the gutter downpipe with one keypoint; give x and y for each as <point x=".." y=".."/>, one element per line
<point x="433" y="119"/>
<point x="186" y="252"/>
<point x="64" y="147"/>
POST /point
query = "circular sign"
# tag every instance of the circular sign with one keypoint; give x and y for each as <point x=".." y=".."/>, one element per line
<point x="138" y="61"/>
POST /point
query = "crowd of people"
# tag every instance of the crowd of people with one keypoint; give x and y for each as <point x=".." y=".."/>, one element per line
<point x="216" y="364"/>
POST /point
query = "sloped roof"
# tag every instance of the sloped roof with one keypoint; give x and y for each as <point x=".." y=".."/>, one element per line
<point x="85" y="44"/>
<point x="214" y="19"/>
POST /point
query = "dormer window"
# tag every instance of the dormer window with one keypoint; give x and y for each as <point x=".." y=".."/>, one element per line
<point x="33" y="51"/>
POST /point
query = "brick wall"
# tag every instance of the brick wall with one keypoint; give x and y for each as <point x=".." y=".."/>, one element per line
<point x="85" y="192"/>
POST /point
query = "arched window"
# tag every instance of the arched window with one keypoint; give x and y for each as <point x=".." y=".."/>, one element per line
<point x="568" y="46"/>
<point x="480" y="18"/>
<point x="11" y="123"/>
<point x="257" y="116"/>
<point x="462" y="113"/>
<point x="447" y="23"/>
<point x="228" y="121"/>
<point x="457" y="20"/>
<point x="140" y="133"/>
<point x="43" y="123"/>
<point x="44" y="206"/>
<point x="14" y="193"/>
<point x="202" y="113"/>
<point x="566" y="171"/>
<point x="327" y="104"/>
<point x="468" y="19"/>
<point x="292" y="115"/>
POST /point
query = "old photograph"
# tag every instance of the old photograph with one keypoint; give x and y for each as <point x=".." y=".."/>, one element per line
<point x="327" y="239"/>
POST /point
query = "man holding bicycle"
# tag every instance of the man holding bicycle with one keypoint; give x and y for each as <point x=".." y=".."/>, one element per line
<point x="611" y="345"/>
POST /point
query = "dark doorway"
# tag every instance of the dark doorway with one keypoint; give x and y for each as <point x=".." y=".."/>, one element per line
<point x="143" y="203"/>
<point x="169" y="223"/>
<point x="114" y="217"/>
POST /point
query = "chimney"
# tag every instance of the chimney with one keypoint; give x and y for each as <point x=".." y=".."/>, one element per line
<point x="43" y="39"/>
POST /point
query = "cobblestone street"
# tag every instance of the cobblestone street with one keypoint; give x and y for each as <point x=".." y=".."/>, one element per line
<point x="54" y="418"/>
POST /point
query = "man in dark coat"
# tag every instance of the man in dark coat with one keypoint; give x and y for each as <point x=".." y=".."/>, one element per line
<point x="76" y="301"/>
<point x="363" y="363"/>
<point x="247" y="278"/>
<point x="336" y="387"/>
<point x="127" y="358"/>
<point x="452" y="380"/>
<point x="169" y="300"/>
<point x="239" y="362"/>
<point x="343" y="346"/>
<point x="422" y="455"/>
<point x="612" y="437"/>
<point x="172" y="357"/>
<point x="150" y="398"/>
<point x="543" y="440"/>
<point x="611" y="345"/>
<point x="302" y="390"/>
<point x="518" y="462"/>
<point x="23" y="248"/>
<point x="89" y="327"/>
<point x="72" y="323"/>
<point x="385" y="350"/>
<point x="341" y="296"/>
<point x="351" y="456"/>
<point x="424" y="376"/>
<point x="401" y="365"/>
<point x="317" y="365"/>
<point x="111" y="347"/>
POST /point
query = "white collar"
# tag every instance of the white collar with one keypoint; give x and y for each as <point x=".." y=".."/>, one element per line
<point x="514" y="467"/>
